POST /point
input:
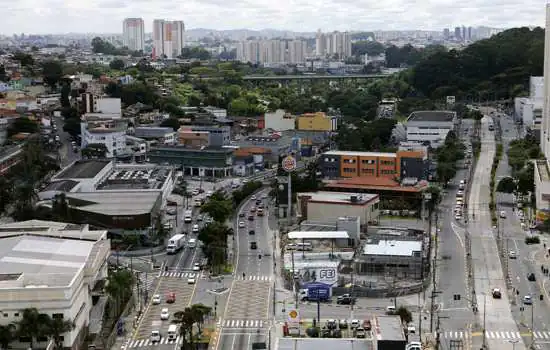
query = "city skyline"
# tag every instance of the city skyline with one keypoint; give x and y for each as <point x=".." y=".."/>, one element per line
<point x="105" y="16"/>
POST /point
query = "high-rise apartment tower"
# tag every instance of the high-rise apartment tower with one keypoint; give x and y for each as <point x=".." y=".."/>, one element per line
<point x="168" y="38"/>
<point x="133" y="33"/>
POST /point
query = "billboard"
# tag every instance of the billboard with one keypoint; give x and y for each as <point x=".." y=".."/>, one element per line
<point x="325" y="275"/>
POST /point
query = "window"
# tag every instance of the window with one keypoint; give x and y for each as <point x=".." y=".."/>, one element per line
<point x="60" y="316"/>
<point x="16" y="314"/>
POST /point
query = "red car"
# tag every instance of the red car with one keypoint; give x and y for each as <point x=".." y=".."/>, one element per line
<point x="170" y="297"/>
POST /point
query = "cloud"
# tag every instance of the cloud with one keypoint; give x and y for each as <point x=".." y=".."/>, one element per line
<point x="105" y="16"/>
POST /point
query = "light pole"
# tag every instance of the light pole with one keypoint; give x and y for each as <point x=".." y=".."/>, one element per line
<point x="484" y="321"/>
<point x="513" y="342"/>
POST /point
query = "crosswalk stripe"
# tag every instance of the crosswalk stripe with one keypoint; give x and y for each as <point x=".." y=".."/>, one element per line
<point x="502" y="335"/>
<point x="242" y="323"/>
<point x="146" y="342"/>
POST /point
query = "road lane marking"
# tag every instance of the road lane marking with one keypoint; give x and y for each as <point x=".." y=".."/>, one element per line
<point x="136" y="331"/>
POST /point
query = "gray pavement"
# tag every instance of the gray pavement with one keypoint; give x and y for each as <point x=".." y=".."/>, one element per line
<point x="495" y="314"/>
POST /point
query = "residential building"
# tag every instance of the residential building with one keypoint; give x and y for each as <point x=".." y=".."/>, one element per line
<point x="91" y="103"/>
<point x="273" y="51"/>
<point x="271" y="147"/>
<point x="133" y="33"/>
<point x="399" y="165"/>
<point x="168" y="38"/>
<point x="113" y="195"/>
<point x="329" y="206"/>
<point x="108" y="131"/>
<point x="193" y="139"/>
<point x="218" y="135"/>
<point x="163" y="135"/>
<point x="318" y="121"/>
<point x="54" y="267"/>
<point x="249" y="51"/>
<point x="203" y="162"/>
<point x="297" y="51"/>
<point x="333" y="44"/>
<point x="279" y="120"/>
<point x="430" y="126"/>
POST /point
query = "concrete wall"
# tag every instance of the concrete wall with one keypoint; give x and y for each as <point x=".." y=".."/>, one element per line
<point x="331" y="212"/>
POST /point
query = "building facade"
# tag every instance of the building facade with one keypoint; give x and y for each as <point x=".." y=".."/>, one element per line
<point x="110" y="132"/>
<point x="204" y="162"/>
<point x="333" y="44"/>
<point x="133" y="34"/>
<point x="218" y="135"/>
<point x="430" y="126"/>
<point x="279" y="120"/>
<point x="318" y="121"/>
<point x="168" y="38"/>
<point x="399" y="165"/>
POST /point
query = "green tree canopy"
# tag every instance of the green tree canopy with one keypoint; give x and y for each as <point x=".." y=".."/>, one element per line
<point x="52" y="72"/>
<point x="117" y="64"/>
<point x="506" y="185"/>
<point x="372" y="48"/>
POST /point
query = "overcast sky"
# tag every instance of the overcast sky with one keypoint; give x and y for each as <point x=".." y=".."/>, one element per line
<point x="105" y="16"/>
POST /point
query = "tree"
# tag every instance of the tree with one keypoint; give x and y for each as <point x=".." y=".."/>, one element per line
<point x="94" y="151"/>
<point x="8" y="334"/>
<point x="60" y="208"/>
<point x="196" y="53"/>
<point x="404" y="314"/>
<point x="56" y="328"/>
<point x="6" y="193"/>
<point x="526" y="179"/>
<point x="173" y="123"/>
<point x="24" y="125"/>
<point x="186" y="321"/>
<point x="3" y="75"/>
<point x="371" y="48"/>
<point x="33" y="325"/>
<point x="214" y="239"/>
<point x="119" y="288"/>
<point x="219" y="210"/>
<point x="117" y="64"/>
<point x="506" y="185"/>
<point x="52" y="72"/>
<point x="24" y="59"/>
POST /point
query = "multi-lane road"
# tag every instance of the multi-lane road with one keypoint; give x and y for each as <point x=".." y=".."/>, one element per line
<point x="247" y="314"/>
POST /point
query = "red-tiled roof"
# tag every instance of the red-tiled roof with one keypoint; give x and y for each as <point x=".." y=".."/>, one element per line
<point x="379" y="183"/>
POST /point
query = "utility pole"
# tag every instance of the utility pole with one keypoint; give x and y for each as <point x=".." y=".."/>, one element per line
<point x="419" y="319"/>
<point x="294" y="281"/>
<point x="434" y="280"/>
<point x="484" y="321"/>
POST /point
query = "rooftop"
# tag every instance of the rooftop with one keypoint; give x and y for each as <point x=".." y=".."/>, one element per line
<point x="361" y="154"/>
<point x="51" y="229"/>
<point x="180" y="148"/>
<point x="392" y="247"/>
<point x="83" y="169"/>
<point x="118" y="203"/>
<point x="318" y="235"/>
<point x="326" y="343"/>
<point x="339" y="197"/>
<point x="389" y="328"/>
<point x="61" y="185"/>
<point x="374" y="183"/>
<point x="135" y="178"/>
<point x="432" y="116"/>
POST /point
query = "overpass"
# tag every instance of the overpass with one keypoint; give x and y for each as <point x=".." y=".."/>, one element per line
<point x="313" y="77"/>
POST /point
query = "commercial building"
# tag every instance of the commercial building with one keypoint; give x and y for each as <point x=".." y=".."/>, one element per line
<point x="164" y="136"/>
<point x="133" y="34"/>
<point x="318" y="121"/>
<point x="91" y="103"/>
<point x="394" y="252"/>
<point x="193" y="139"/>
<point x="329" y="206"/>
<point x="279" y="120"/>
<point x="399" y="165"/>
<point x="528" y="110"/>
<point x="53" y="267"/>
<point x="107" y="130"/>
<point x="206" y="161"/>
<point x="430" y="126"/>
<point x="113" y="196"/>
<point x="168" y="38"/>
<point x="218" y="135"/>
<point x="349" y="224"/>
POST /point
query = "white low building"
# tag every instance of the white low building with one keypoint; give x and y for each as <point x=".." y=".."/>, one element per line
<point x="430" y="126"/>
<point x="52" y="267"/>
<point x="110" y="132"/>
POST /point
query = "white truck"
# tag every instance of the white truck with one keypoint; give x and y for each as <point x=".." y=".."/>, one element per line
<point x="175" y="243"/>
<point x="188" y="216"/>
<point x="155" y="331"/>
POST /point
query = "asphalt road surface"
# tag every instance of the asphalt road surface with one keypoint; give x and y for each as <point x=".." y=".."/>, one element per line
<point x="494" y="315"/>
<point x="246" y="318"/>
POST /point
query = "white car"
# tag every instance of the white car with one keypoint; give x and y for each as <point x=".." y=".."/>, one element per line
<point x="512" y="254"/>
<point x="503" y="215"/>
<point x="171" y="211"/>
<point x="241" y="224"/>
<point x="195" y="192"/>
<point x="156" y="299"/>
<point x="458" y="217"/>
<point x="196" y="267"/>
<point x="164" y="314"/>
<point x="191" y="279"/>
<point x="253" y="197"/>
<point x="195" y="228"/>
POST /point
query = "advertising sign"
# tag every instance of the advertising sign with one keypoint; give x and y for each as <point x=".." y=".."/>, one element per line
<point x="450" y="100"/>
<point x="289" y="163"/>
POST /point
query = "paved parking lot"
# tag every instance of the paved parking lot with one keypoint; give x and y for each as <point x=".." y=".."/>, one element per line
<point x="184" y="294"/>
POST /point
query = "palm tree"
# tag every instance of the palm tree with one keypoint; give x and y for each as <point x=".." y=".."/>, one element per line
<point x="119" y="288"/>
<point x="198" y="313"/>
<point x="60" y="207"/>
<point x="185" y="320"/>
<point x="57" y="327"/>
<point x="7" y="334"/>
<point x="33" y="325"/>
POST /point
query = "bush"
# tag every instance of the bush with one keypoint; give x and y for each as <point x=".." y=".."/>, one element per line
<point x="532" y="240"/>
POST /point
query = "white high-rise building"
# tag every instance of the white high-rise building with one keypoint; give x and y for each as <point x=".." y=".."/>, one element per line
<point x="297" y="51"/>
<point x="168" y="38"/>
<point x="133" y="33"/>
<point x="333" y="44"/>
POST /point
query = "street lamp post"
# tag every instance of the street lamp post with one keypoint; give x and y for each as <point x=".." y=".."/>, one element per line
<point x="513" y="342"/>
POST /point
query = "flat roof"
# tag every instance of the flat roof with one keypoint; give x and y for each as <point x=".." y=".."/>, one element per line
<point x="361" y="154"/>
<point x="324" y="343"/>
<point x="389" y="328"/>
<point x="61" y="185"/>
<point x="392" y="247"/>
<point x="318" y="235"/>
<point x="115" y="202"/>
<point x="51" y="261"/>
<point x="135" y="177"/>
<point x="52" y="229"/>
<point x="431" y="116"/>
<point x="339" y="197"/>
<point x="304" y="264"/>
<point x="83" y="169"/>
